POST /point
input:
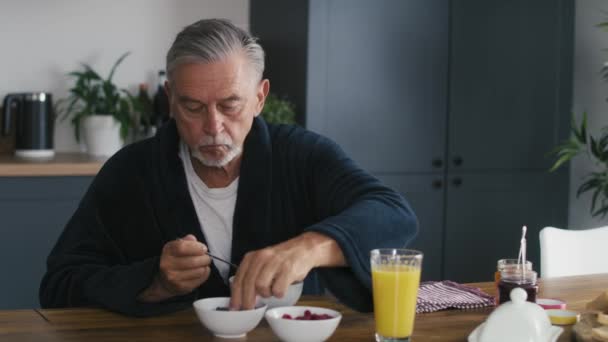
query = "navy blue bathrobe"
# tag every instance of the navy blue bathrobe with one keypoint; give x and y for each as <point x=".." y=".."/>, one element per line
<point x="291" y="181"/>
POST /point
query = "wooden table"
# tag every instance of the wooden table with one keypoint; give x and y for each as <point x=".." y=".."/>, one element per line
<point x="98" y="325"/>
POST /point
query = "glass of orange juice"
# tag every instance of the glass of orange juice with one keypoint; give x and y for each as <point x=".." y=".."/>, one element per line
<point x="395" y="280"/>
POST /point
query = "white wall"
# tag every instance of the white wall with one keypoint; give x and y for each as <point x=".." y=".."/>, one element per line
<point x="43" y="40"/>
<point x="590" y="94"/>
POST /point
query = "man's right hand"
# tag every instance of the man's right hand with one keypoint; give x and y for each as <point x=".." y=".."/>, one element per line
<point x="184" y="266"/>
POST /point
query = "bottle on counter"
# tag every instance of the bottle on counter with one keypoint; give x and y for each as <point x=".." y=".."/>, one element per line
<point x="161" y="101"/>
<point x="146" y="127"/>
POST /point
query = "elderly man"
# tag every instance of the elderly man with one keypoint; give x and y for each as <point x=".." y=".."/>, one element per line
<point x="282" y="202"/>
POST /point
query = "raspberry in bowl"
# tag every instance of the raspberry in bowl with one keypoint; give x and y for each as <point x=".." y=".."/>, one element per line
<point x="303" y="323"/>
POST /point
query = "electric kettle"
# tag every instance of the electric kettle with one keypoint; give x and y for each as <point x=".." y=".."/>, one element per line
<point x="34" y="122"/>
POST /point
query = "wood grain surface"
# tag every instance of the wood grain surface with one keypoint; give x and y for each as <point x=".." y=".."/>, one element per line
<point x="90" y="325"/>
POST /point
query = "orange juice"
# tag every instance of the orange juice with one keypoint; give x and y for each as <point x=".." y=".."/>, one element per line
<point x="395" y="290"/>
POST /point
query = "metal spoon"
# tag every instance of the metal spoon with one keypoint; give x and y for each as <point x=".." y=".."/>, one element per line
<point x="217" y="258"/>
<point x="222" y="260"/>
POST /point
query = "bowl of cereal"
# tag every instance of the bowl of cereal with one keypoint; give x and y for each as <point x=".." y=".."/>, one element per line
<point x="215" y="316"/>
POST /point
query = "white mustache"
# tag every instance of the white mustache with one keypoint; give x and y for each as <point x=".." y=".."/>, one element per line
<point x="222" y="139"/>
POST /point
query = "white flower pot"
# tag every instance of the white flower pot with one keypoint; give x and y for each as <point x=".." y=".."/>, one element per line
<point x="101" y="135"/>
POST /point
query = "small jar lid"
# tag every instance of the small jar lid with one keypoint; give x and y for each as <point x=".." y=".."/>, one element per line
<point x="550" y="303"/>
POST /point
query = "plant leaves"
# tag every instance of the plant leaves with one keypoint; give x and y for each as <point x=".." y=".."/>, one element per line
<point x="594" y="148"/>
<point x="91" y="95"/>
<point x="565" y="153"/>
<point x="563" y="159"/>
<point x="586" y="186"/>
<point x="278" y="110"/>
<point x="596" y="193"/>
<point x="583" y="129"/>
<point x="120" y="59"/>
<point x="574" y="129"/>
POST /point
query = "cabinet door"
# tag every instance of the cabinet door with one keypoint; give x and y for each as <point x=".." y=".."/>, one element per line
<point x="377" y="80"/>
<point x="510" y="82"/>
<point x="485" y="214"/>
<point x="425" y="195"/>
<point x="34" y="212"/>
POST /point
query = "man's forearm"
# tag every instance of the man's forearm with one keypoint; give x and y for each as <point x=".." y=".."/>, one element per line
<point x="155" y="293"/>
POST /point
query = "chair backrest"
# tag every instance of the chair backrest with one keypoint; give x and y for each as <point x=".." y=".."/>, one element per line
<point x="573" y="252"/>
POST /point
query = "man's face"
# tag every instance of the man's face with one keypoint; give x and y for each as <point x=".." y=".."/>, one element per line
<point x="214" y="105"/>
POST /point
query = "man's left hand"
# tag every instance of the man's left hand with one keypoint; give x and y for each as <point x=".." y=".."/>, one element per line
<point x="269" y="271"/>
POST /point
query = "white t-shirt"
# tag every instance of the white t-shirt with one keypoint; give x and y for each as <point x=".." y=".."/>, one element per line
<point x="215" y="211"/>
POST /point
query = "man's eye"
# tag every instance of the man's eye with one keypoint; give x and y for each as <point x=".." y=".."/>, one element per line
<point x="229" y="109"/>
<point x="193" y="109"/>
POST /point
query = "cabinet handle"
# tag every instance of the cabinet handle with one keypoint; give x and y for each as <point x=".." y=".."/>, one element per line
<point x="437" y="184"/>
<point x="457" y="161"/>
<point x="437" y="163"/>
<point x="457" y="182"/>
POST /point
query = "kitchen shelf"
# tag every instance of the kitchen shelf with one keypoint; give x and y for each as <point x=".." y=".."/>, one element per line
<point x="63" y="164"/>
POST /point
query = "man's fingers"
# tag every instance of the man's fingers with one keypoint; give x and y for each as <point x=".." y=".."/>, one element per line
<point x="192" y="262"/>
<point x="176" y="277"/>
<point x="195" y="274"/>
<point x="236" y="297"/>
<point x="189" y="237"/>
<point x="264" y="280"/>
<point x="280" y="284"/>
<point x="249" y="281"/>
<point x="187" y="248"/>
<point x="181" y="282"/>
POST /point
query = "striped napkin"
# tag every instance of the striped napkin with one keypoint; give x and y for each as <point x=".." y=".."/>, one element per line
<point x="441" y="295"/>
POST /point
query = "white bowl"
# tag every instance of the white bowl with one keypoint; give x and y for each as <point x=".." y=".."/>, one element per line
<point x="292" y="330"/>
<point x="294" y="291"/>
<point x="227" y="324"/>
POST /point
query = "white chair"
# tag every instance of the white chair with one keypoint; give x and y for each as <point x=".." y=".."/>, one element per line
<point x="573" y="252"/>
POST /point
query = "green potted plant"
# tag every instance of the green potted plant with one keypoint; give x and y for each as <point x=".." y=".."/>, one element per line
<point x="99" y="110"/>
<point x="278" y="110"/>
<point x="596" y="149"/>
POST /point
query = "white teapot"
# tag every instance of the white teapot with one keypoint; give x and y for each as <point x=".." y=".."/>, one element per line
<point x="517" y="320"/>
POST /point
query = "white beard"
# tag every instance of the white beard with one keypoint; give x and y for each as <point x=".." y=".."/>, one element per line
<point x="233" y="152"/>
<point x="222" y="139"/>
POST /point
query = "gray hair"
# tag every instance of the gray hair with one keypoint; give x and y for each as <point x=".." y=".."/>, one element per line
<point x="211" y="40"/>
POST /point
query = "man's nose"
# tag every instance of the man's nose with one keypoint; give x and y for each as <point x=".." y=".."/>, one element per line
<point x="213" y="122"/>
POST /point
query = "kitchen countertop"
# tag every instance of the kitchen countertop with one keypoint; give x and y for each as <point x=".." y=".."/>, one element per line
<point x="63" y="164"/>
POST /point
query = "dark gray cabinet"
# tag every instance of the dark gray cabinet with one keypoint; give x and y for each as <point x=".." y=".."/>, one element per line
<point x="510" y="92"/>
<point x="426" y="195"/>
<point x="510" y="82"/>
<point x="453" y="103"/>
<point x="485" y="214"/>
<point x="34" y="211"/>
<point x="369" y="63"/>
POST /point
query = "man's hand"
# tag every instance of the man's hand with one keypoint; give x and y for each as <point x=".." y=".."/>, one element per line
<point x="184" y="266"/>
<point x="269" y="271"/>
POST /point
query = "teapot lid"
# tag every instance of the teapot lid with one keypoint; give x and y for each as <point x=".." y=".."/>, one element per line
<point x="517" y="320"/>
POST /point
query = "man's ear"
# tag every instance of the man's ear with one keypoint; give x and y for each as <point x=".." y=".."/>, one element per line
<point x="263" y="89"/>
<point x="167" y="88"/>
